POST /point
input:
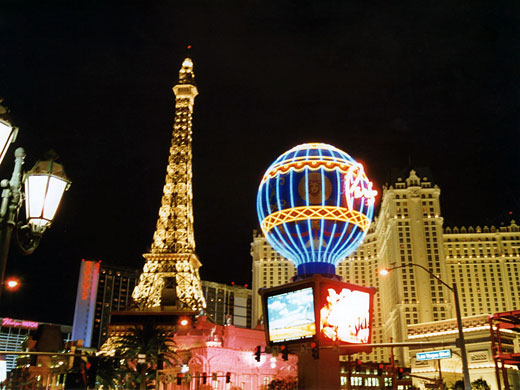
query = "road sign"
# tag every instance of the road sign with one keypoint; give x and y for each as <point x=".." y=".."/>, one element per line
<point x="433" y="355"/>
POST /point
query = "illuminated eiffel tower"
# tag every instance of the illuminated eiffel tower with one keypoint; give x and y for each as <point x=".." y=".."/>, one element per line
<point x="170" y="278"/>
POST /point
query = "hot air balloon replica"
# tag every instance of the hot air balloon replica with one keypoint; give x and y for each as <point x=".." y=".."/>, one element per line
<point x="315" y="205"/>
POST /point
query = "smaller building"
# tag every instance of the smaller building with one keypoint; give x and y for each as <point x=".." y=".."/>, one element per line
<point x="102" y="289"/>
<point x="478" y="346"/>
<point x="14" y="334"/>
<point x="228" y="305"/>
<point x="220" y="352"/>
<point x="47" y="368"/>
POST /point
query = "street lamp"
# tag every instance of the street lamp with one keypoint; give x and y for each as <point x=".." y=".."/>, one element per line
<point x="44" y="186"/>
<point x="8" y="132"/>
<point x="453" y="288"/>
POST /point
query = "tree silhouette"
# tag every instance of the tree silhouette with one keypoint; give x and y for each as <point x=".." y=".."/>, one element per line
<point x="480" y="384"/>
<point x="149" y="340"/>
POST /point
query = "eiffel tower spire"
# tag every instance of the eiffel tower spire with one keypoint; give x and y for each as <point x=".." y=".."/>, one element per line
<point x="170" y="277"/>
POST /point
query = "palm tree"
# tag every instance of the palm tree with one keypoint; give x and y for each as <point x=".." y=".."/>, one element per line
<point x="108" y="373"/>
<point x="146" y="339"/>
<point x="480" y="384"/>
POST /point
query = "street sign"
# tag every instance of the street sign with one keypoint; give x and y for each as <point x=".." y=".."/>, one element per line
<point x="433" y="355"/>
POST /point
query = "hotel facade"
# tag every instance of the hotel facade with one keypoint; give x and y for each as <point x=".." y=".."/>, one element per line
<point x="483" y="261"/>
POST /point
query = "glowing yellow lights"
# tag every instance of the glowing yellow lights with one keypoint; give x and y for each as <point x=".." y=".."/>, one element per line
<point x="187" y="63"/>
<point x="315" y="212"/>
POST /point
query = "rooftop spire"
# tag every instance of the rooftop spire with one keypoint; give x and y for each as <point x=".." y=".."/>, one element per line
<point x="186" y="75"/>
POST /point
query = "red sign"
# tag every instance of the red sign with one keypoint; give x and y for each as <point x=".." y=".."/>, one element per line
<point x="9" y="322"/>
<point x="89" y="270"/>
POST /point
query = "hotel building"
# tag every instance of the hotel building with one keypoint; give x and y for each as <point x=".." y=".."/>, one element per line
<point x="228" y="305"/>
<point x="484" y="262"/>
<point x="101" y="289"/>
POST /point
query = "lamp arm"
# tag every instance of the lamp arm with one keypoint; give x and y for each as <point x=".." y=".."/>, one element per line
<point x="26" y="239"/>
<point x="425" y="269"/>
<point x="432" y="274"/>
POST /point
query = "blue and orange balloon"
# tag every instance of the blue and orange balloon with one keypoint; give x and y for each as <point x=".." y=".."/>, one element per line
<point x="315" y="204"/>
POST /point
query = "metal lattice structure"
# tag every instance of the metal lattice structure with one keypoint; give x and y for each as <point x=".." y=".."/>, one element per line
<point x="502" y="354"/>
<point x="170" y="277"/>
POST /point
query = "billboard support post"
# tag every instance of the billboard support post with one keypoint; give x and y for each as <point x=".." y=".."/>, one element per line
<point x="320" y="374"/>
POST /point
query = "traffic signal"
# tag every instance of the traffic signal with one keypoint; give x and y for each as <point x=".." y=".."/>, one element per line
<point x="285" y="352"/>
<point x="403" y="371"/>
<point x="258" y="352"/>
<point x="380" y="368"/>
<point x="204" y="378"/>
<point x="179" y="379"/>
<point x="358" y="365"/>
<point x="315" y="350"/>
<point x="214" y="377"/>
<point x="74" y="381"/>
<point x="228" y="377"/>
<point x="92" y="365"/>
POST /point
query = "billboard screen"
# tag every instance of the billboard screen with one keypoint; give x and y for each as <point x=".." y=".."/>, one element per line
<point x="290" y="315"/>
<point x="320" y="309"/>
<point x="345" y="314"/>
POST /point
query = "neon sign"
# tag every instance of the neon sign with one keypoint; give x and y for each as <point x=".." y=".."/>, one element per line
<point x="9" y="322"/>
<point x="315" y="205"/>
<point x="90" y="268"/>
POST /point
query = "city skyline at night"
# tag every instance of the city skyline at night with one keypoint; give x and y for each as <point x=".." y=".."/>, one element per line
<point x="419" y="86"/>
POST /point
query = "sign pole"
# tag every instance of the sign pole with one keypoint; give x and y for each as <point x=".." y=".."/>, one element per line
<point x="441" y="384"/>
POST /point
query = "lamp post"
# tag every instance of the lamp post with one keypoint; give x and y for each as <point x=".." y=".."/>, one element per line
<point x="43" y="188"/>
<point x="453" y="288"/>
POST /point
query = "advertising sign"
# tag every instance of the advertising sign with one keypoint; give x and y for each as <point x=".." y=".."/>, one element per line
<point x="291" y="315"/>
<point x="318" y="309"/>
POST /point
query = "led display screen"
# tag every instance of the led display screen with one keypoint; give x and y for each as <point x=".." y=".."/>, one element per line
<point x="345" y="314"/>
<point x="291" y="315"/>
<point x="320" y="309"/>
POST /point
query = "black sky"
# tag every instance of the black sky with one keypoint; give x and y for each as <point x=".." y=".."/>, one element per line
<point x="424" y="83"/>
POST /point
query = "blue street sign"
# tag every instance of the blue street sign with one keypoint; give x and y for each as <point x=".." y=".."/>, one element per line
<point x="443" y="354"/>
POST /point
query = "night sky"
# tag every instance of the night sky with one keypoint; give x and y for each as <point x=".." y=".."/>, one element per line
<point x="431" y="84"/>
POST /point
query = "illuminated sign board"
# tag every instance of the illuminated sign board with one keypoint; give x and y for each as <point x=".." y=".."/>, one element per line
<point x="318" y="309"/>
<point x="433" y="355"/>
<point x="9" y="322"/>
<point x="345" y="315"/>
<point x="291" y="315"/>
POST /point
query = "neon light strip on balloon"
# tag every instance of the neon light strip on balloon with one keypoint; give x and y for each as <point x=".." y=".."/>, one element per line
<point x="306" y="162"/>
<point x="315" y="212"/>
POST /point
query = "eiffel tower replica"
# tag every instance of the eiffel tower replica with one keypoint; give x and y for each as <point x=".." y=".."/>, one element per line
<point x="169" y="285"/>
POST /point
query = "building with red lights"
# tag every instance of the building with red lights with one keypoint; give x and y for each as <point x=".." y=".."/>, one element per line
<point x="101" y="289"/>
